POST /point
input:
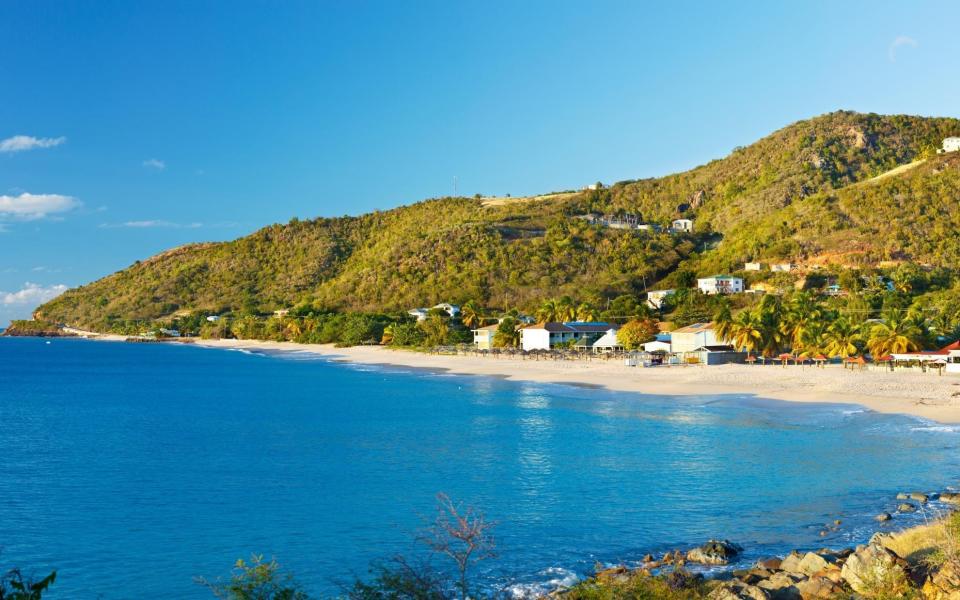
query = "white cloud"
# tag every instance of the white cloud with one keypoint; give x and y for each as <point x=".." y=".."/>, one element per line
<point x="155" y="163"/>
<point x="28" y="206"/>
<point x="900" y="40"/>
<point x="151" y="223"/>
<point x="19" y="143"/>
<point x="32" y="294"/>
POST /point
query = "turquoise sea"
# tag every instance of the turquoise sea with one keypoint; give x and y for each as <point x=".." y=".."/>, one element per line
<point x="133" y="468"/>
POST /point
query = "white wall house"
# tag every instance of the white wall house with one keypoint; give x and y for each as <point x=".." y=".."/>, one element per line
<point x="720" y="284"/>
<point x="656" y="346"/>
<point x="682" y="225"/>
<point x="655" y="297"/>
<point x="544" y="336"/>
<point x="419" y="313"/>
<point x="752" y="266"/>
<point x="950" y="144"/>
<point x="782" y="267"/>
<point x="483" y="337"/>
<point x="693" y="337"/>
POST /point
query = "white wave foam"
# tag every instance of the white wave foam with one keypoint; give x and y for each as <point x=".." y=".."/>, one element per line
<point x="554" y="577"/>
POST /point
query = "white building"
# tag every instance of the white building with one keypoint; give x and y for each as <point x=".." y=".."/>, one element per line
<point x="693" y="337"/>
<point x="782" y="267"/>
<point x="655" y="297"/>
<point x="950" y="144"/>
<point x="752" y="266"/>
<point x="483" y="337"/>
<point x="419" y="313"/>
<point x="544" y="336"/>
<point x="682" y="225"/>
<point x="213" y="318"/>
<point x="657" y="346"/>
<point x="720" y="284"/>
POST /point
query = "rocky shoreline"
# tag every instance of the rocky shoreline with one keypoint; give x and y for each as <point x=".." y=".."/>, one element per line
<point x="918" y="562"/>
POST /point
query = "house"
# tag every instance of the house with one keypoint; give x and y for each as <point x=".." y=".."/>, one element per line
<point x="544" y="336"/>
<point x="720" y="284"/>
<point x="419" y="313"/>
<point x="281" y="313"/>
<point x="607" y="342"/>
<point x="692" y="337"/>
<point x="213" y="318"/>
<point x="950" y="144"/>
<point x="169" y="332"/>
<point x="655" y="297"/>
<point x="685" y="225"/>
<point x="752" y="266"/>
<point x="782" y="267"/>
<point x="660" y="344"/>
<point x="483" y="337"/>
<point x="716" y="354"/>
<point x="451" y="309"/>
<point x="948" y="357"/>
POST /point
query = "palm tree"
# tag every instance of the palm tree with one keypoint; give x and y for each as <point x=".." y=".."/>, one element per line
<point x="895" y="334"/>
<point x="549" y="311"/>
<point x="470" y="315"/>
<point x="586" y="312"/>
<point x="567" y="309"/>
<point x="803" y="313"/>
<point x="769" y="317"/>
<point x="723" y="324"/>
<point x="745" y="332"/>
<point x="841" y="338"/>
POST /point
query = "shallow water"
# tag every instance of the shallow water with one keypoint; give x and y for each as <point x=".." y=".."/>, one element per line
<point x="133" y="468"/>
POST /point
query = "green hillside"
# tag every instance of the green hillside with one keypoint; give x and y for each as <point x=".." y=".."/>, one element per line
<point x="800" y="194"/>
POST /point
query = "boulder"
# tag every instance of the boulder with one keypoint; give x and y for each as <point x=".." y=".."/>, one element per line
<point x="906" y="508"/>
<point x="870" y="566"/>
<point x="819" y="588"/>
<point x="882" y="517"/>
<point x="919" y="497"/>
<point x="943" y="584"/>
<point x="737" y="590"/>
<point x="812" y="563"/>
<point x="781" y="586"/>
<point x="903" y="496"/>
<point x="770" y="564"/>
<point x="950" y="498"/>
<point x="791" y="563"/>
<point x="617" y="574"/>
<point x="714" y="552"/>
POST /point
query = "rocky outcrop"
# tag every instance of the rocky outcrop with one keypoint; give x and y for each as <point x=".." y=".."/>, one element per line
<point x="943" y="584"/>
<point x="871" y="566"/>
<point x="737" y="590"/>
<point x="714" y="552"/>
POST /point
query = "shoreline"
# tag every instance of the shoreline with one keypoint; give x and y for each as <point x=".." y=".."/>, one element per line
<point x="925" y="395"/>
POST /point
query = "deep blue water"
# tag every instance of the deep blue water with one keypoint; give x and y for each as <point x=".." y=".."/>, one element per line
<point x="133" y="468"/>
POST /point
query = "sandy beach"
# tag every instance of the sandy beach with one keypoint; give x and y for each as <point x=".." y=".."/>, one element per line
<point x="926" y="395"/>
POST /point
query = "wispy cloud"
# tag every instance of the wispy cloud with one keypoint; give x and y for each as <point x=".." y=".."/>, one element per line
<point x="155" y="163"/>
<point x="32" y="294"/>
<point x="900" y="40"/>
<point x="151" y="223"/>
<point x="20" y="143"/>
<point x="27" y="207"/>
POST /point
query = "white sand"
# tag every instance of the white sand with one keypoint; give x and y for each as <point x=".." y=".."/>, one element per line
<point x="926" y="395"/>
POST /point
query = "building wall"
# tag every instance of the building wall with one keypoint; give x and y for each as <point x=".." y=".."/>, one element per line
<point x="483" y="340"/>
<point x="711" y="285"/>
<point x="951" y="145"/>
<point x="688" y="342"/>
<point x="534" y="339"/>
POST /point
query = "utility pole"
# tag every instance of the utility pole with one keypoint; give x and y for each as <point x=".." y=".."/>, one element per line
<point x="454" y="185"/>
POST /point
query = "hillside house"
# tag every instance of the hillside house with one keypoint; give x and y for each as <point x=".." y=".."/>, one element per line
<point x="752" y="266"/>
<point x="782" y="267"/>
<point x="421" y="313"/>
<point x="720" y="284"/>
<point x="483" y="337"/>
<point x="655" y="298"/>
<point x="692" y="337"/>
<point x="950" y="144"/>
<point x="545" y="336"/>
<point x="684" y="225"/>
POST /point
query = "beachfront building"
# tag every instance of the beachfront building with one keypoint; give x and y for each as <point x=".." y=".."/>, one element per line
<point x="752" y="266"/>
<point x="483" y="337"/>
<point x="660" y="344"/>
<point x="692" y="337"/>
<point x="545" y="336"/>
<point x="782" y="267"/>
<point x="685" y="225"/>
<point x="655" y="297"/>
<point x="720" y="284"/>
<point x="716" y="354"/>
<point x="950" y="144"/>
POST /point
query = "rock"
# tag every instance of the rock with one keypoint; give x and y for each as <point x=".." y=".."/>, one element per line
<point x="648" y="558"/>
<point x="613" y="574"/>
<point x="818" y="587"/>
<point x="752" y="576"/>
<point x="870" y="566"/>
<point x="919" y="497"/>
<point x="906" y="508"/>
<point x="943" y="584"/>
<point x="714" y="552"/>
<point x="950" y="498"/>
<point x="781" y="586"/>
<point x="903" y="496"/>
<point x="791" y="563"/>
<point x="812" y="563"/>
<point x="737" y="590"/>
<point x="770" y="564"/>
<point x="882" y="517"/>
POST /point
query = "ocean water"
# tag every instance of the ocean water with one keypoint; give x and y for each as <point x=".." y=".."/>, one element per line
<point x="134" y="468"/>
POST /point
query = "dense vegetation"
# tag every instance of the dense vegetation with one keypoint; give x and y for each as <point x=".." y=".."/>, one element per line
<point x="802" y="194"/>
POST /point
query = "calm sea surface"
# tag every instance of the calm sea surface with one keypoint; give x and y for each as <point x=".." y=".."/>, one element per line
<point x="133" y="468"/>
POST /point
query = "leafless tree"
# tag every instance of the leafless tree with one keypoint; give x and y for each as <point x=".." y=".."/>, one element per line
<point x="461" y="533"/>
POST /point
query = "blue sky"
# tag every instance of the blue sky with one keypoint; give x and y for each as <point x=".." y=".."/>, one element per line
<point x="153" y="124"/>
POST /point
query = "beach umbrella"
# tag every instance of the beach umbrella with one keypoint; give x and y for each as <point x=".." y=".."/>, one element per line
<point x="785" y="357"/>
<point x="819" y="359"/>
<point x="751" y="359"/>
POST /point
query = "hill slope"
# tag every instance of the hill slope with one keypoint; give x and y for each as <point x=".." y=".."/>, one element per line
<point x="789" y="195"/>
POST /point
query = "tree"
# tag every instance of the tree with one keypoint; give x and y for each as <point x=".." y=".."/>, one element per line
<point x="471" y="315"/>
<point x="746" y="333"/>
<point x="637" y="332"/>
<point x="895" y="334"/>
<point x="507" y="334"/>
<point x="841" y="338"/>
<point x="462" y="534"/>
<point x="586" y="312"/>
<point x="435" y="330"/>
<point x="723" y="324"/>
<point x="549" y="311"/>
<point x="14" y="586"/>
<point x="567" y="309"/>
<point x="257" y="580"/>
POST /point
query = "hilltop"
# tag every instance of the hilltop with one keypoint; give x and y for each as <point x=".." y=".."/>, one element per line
<point x="803" y="193"/>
